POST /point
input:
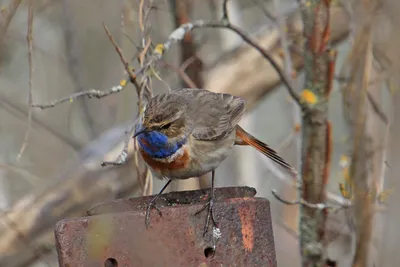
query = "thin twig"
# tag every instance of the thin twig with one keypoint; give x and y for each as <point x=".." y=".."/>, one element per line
<point x="300" y="201"/>
<point x="176" y="36"/>
<point x="29" y="41"/>
<point x="225" y="16"/>
<point x="376" y="108"/>
<point x="143" y="53"/>
<point x="89" y="93"/>
<point x="189" y="82"/>
<point x="144" y="88"/>
<point x="374" y="104"/>
<point x="141" y="15"/>
<point x="181" y="12"/>
<point x="122" y="58"/>
<point x="123" y="156"/>
<point x="179" y="33"/>
<point x="188" y="62"/>
<point x="264" y="53"/>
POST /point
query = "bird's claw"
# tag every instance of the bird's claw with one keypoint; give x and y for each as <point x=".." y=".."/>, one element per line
<point x="209" y="205"/>
<point x="152" y="205"/>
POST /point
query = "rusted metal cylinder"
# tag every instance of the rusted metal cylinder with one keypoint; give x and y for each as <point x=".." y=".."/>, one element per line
<point x="114" y="233"/>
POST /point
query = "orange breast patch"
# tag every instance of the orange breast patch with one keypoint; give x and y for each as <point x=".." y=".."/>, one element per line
<point x="179" y="163"/>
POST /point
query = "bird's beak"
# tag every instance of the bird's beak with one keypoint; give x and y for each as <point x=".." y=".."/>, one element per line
<point x="139" y="130"/>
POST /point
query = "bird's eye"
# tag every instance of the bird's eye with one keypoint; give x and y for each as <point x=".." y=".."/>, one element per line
<point x="166" y="126"/>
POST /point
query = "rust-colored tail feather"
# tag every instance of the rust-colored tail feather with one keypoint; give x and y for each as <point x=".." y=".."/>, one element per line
<point x="244" y="138"/>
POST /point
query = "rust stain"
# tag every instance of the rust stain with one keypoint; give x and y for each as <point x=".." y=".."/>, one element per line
<point x="247" y="217"/>
<point x="177" y="237"/>
<point x="240" y="199"/>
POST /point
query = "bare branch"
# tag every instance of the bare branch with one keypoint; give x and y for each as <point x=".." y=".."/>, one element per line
<point x="377" y="108"/>
<point x="360" y="159"/>
<point x="319" y="62"/>
<point x="225" y="16"/>
<point x="141" y="24"/>
<point x="123" y="156"/>
<point x="90" y="93"/>
<point x="121" y="56"/>
<point x="365" y="171"/>
<point x="264" y="53"/>
<point x="255" y="80"/>
<point x="176" y="36"/>
<point x="300" y="201"/>
<point x="188" y="81"/>
<point x="191" y="64"/>
<point x="29" y="41"/>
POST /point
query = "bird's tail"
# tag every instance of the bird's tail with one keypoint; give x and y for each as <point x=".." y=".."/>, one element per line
<point x="244" y="138"/>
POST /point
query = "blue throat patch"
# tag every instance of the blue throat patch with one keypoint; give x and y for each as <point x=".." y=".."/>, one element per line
<point x="156" y="144"/>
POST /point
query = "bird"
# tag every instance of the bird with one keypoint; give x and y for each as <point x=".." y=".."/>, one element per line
<point x="188" y="132"/>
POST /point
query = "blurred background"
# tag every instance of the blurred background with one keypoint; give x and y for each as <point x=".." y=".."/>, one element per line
<point x="53" y="171"/>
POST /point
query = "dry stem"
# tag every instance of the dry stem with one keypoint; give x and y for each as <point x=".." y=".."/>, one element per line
<point x="29" y="41"/>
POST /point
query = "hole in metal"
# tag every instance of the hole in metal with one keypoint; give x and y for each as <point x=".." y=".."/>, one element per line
<point x="209" y="252"/>
<point x="111" y="262"/>
<point x="330" y="263"/>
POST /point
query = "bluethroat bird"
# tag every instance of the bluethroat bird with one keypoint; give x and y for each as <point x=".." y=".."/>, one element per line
<point x="188" y="132"/>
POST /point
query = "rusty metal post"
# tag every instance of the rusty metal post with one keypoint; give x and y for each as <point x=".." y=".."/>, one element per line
<point x="114" y="233"/>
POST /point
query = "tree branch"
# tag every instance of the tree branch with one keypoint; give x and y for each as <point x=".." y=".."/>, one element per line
<point x="251" y="77"/>
<point x="319" y="63"/>
<point x="176" y="36"/>
<point x="30" y="60"/>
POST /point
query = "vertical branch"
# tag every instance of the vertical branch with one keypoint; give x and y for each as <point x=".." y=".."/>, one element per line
<point x="363" y="169"/>
<point x="316" y="143"/>
<point x="30" y="60"/>
<point x="367" y="135"/>
<point x="181" y="9"/>
<point x="358" y="169"/>
<point x="144" y="90"/>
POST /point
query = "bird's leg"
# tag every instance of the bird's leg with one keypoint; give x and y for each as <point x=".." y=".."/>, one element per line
<point x="209" y="205"/>
<point x="152" y="204"/>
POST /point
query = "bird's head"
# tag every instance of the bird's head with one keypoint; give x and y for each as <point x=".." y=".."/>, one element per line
<point x="165" y="115"/>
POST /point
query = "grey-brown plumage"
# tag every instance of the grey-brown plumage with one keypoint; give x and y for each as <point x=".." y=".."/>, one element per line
<point x="189" y="132"/>
<point x="194" y="115"/>
<point x="209" y="116"/>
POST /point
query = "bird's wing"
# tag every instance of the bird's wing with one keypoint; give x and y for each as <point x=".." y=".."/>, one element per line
<point x="215" y="115"/>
